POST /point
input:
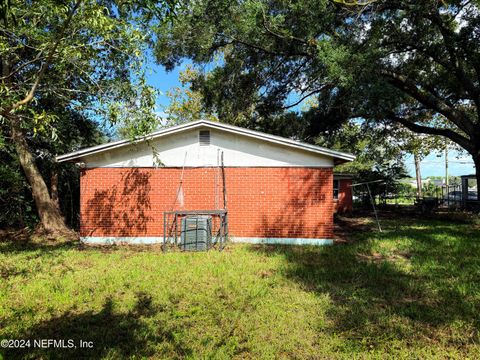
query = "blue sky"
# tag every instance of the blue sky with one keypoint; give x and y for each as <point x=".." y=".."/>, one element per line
<point x="432" y="165"/>
<point x="163" y="81"/>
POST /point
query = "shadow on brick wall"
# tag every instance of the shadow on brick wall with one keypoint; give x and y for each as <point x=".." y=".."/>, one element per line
<point x="121" y="210"/>
<point x="299" y="215"/>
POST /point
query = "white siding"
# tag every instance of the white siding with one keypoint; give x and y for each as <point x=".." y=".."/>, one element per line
<point x="183" y="148"/>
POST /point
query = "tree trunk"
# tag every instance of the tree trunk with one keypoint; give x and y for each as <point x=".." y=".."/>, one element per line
<point x="51" y="220"/>
<point x="54" y="188"/>
<point x="418" y="175"/>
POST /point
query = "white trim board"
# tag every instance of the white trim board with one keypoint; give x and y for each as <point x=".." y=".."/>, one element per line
<point x="215" y="167"/>
<point x="120" y="240"/>
<point x="282" y="241"/>
<point x="111" y="240"/>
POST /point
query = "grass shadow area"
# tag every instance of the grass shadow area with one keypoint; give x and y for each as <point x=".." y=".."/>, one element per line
<point x="112" y="335"/>
<point x="14" y="247"/>
<point x="24" y="240"/>
<point x="416" y="282"/>
<point x="411" y="291"/>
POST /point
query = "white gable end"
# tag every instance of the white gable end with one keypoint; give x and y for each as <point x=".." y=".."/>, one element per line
<point x="184" y="148"/>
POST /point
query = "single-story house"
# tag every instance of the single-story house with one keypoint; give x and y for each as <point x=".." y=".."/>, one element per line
<point x="275" y="190"/>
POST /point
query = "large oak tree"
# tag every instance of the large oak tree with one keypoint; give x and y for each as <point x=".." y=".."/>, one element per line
<point x="408" y="62"/>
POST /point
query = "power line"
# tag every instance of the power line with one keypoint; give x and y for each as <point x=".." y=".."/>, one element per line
<point x="441" y="162"/>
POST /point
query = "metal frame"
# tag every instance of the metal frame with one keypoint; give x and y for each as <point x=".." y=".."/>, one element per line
<point x="221" y="235"/>
<point x="371" y="198"/>
<point x="464" y="181"/>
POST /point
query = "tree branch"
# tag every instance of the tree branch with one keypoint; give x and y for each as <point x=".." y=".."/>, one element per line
<point x="448" y="40"/>
<point x="20" y="67"/>
<point x="313" y="92"/>
<point x="281" y="37"/>
<point x="454" y="115"/>
<point x="270" y="52"/>
<point x="465" y="80"/>
<point x="354" y="3"/>
<point x="47" y="62"/>
<point x="422" y="129"/>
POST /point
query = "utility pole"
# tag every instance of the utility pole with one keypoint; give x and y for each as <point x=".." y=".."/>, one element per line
<point x="446" y="164"/>
<point x="418" y="175"/>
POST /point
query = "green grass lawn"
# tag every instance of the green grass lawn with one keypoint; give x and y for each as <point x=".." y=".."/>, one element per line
<point x="410" y="292"/>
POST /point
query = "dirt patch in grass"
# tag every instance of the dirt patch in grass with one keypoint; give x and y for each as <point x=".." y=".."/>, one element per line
<point x="345" y="228"/>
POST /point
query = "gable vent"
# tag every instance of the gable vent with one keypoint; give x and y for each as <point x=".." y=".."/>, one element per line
<point x="204" y="137"/>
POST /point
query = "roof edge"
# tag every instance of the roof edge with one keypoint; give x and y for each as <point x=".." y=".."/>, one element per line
<point x="215" y="125"/>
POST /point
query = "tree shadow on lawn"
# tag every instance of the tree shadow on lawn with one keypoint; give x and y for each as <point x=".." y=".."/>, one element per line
<point x="12" y="247"/>
<point x="113" y="335"/>
<point x="416" y="288"/>
<point x="15" y="247"/>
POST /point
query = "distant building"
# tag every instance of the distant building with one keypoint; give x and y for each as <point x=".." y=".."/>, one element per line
<point x="427" y="181"/>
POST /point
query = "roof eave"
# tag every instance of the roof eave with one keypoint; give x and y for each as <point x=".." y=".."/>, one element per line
<point x="339" y="157"/>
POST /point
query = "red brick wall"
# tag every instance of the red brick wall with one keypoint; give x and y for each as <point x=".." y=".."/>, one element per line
<point x="262" y="202"/>
<point x="344" y="202"/>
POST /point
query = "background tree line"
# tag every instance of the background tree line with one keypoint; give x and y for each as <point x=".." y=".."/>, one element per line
<point x="394" y="64"/>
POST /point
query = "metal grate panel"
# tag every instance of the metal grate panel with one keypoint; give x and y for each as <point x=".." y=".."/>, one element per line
<point x="204" y="137"/>
<point x="196" y="233"/>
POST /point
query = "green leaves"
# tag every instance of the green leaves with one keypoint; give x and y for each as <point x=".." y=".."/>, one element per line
<point x="99" y="60"/>
<point x="187" y="104"/>
<point x="6" y="14"/>
<point x="64" y="65"/>
<point x="407" y="62"/>
<point x="43" y="123"/>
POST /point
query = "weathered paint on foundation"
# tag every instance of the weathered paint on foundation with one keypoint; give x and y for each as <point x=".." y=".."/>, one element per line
<point x="282" y="241"/>
<point x="107" y="240"/>
<point x="110" y="240"/>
